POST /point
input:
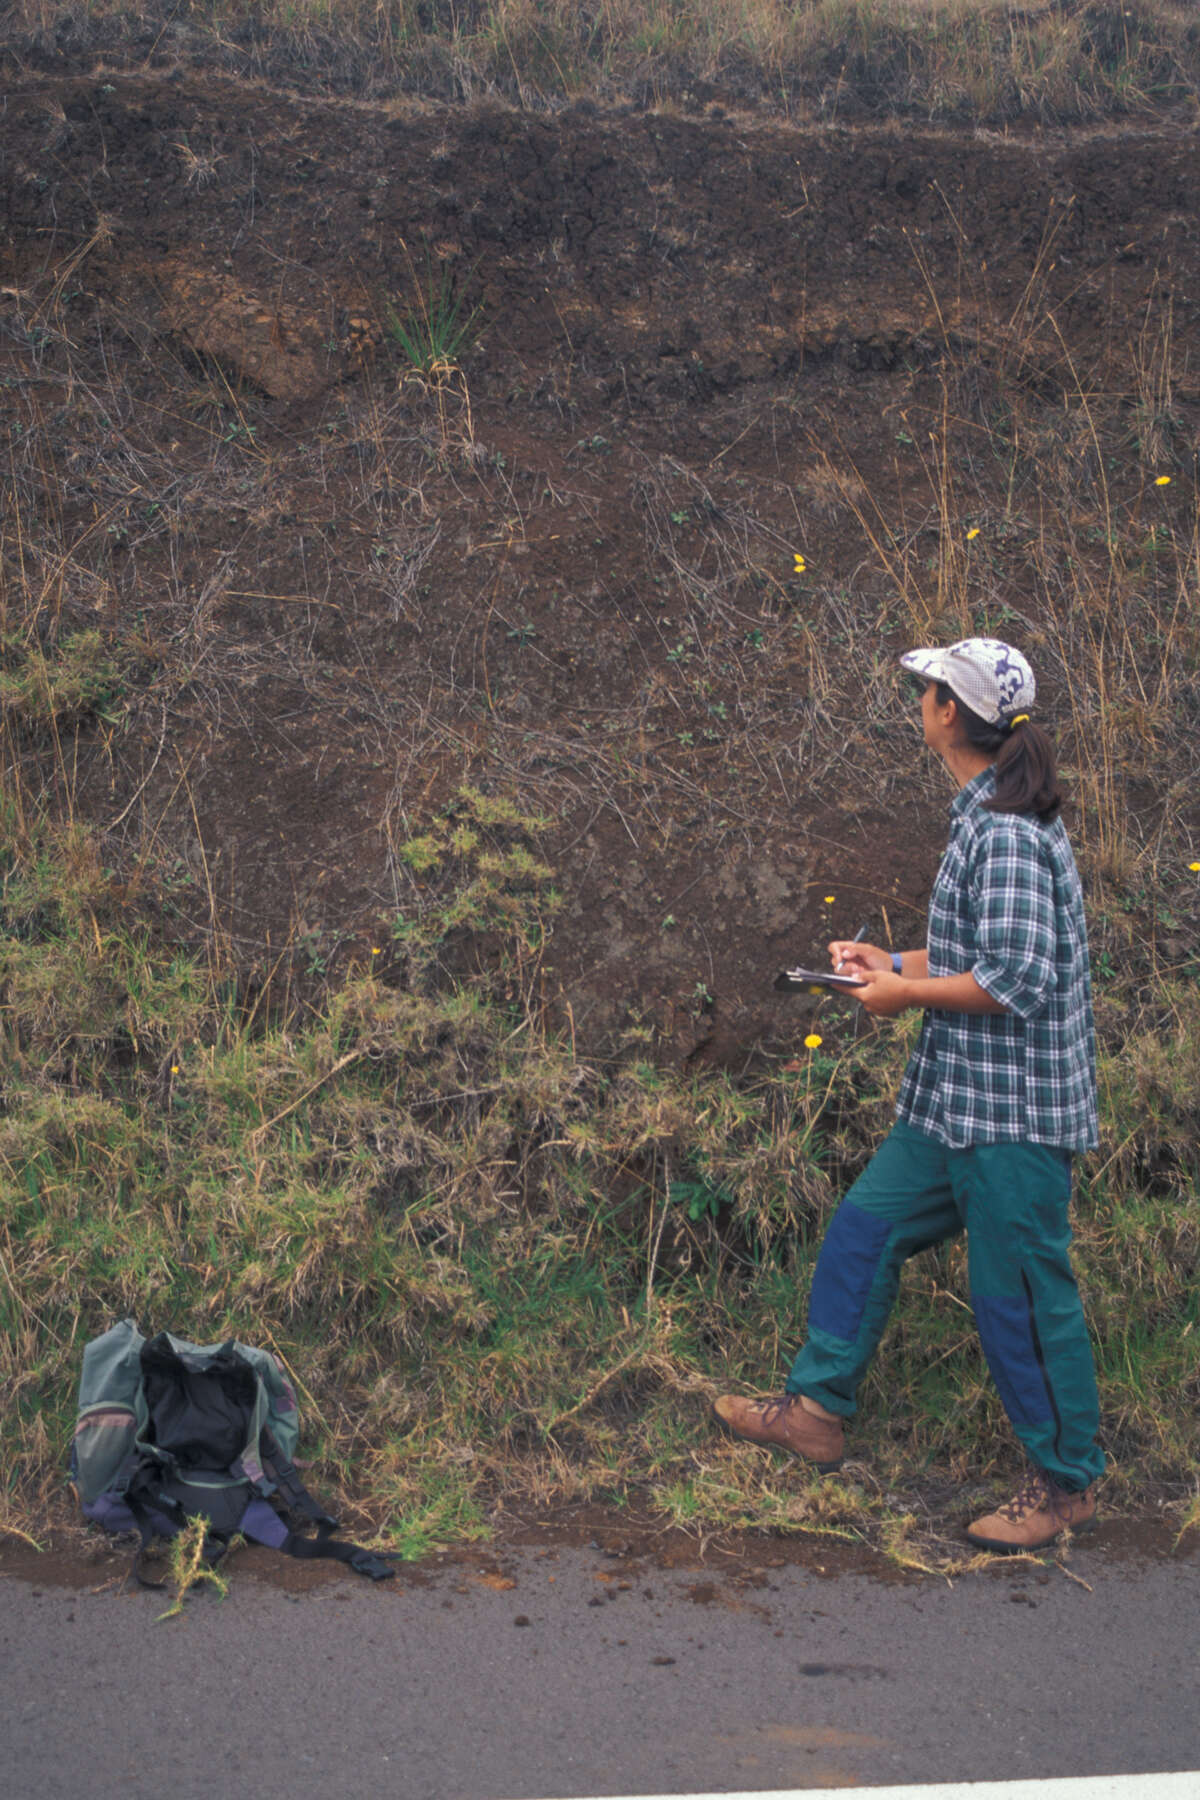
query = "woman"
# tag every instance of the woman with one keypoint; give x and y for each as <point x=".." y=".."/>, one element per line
<point x="998" y="1095"/>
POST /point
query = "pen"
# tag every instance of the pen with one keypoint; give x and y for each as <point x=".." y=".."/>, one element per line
<point x="858" y="937"/>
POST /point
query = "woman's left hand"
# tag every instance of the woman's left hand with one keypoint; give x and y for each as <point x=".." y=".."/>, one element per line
<point x="883" y="993"/>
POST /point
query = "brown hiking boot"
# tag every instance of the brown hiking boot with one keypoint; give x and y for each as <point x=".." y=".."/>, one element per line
<point x="1038" y="1513"/>
<point x="783" y="1422"/>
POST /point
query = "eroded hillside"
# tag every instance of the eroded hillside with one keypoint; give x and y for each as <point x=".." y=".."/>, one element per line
<point x="740" y="409"/>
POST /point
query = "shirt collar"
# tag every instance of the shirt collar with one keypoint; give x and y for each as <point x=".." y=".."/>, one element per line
<point x="980" y="788"/>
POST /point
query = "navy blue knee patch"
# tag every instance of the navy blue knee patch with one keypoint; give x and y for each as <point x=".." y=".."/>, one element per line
<point x="1006" y="1331"/>
<point x="845" y="1270"/>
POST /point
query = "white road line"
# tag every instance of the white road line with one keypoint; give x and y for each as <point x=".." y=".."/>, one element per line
<point x="1184" y="1785"/>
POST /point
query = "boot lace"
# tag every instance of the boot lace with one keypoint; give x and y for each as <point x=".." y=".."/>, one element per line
<point x="1032" y="1496"/>
<point x="770" y="1410"/>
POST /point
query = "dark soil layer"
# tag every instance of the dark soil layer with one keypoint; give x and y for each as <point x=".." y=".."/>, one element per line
<point x="627" y="1543"/>
<point x="565" y="569"/>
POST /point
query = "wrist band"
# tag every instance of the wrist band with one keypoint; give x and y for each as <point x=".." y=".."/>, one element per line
<point x="897" y="963"/>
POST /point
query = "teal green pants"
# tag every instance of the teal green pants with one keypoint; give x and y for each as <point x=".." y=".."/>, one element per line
<point x="1011" y="1200"/>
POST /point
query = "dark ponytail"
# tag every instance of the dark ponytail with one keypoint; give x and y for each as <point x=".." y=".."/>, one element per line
<point x="1025" y="768"/>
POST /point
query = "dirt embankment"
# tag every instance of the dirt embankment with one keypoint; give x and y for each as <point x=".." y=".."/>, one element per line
<point x="566" y="568"/>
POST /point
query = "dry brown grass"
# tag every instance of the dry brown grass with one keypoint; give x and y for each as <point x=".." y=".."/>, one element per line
<point x="977" y="60"/>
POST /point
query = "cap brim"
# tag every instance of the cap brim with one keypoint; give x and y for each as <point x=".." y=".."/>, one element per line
<point x="929" y="662"/>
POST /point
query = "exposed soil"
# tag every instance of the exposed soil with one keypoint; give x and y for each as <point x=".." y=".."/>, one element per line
<point x="729" y="1565"/>
<point x="76" y="1558"/>
<point x="565" y="572"/>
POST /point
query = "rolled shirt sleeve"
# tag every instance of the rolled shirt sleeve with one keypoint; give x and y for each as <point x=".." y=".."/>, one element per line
<point x="1012" y="893"/>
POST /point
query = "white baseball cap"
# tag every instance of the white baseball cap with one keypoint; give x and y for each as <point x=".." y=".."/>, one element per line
<point x="992" y="678"/>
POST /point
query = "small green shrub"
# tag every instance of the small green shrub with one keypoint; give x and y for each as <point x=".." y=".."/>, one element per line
<point x="435" y="329"/>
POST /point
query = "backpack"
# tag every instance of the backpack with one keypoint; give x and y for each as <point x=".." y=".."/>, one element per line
<point x="168" y="1431"/>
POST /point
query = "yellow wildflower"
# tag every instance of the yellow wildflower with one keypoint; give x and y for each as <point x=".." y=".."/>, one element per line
<point x="812" y="1041"/>
<point x="1162" y="481"/>
<point x="973" y="533"/>
<point x="1195" y="868"/>
<point x="829" y="899"/>
<point x="801" y="565"/>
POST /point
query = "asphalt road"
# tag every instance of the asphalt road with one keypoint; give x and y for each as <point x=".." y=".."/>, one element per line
<point x="567" y="1672"/>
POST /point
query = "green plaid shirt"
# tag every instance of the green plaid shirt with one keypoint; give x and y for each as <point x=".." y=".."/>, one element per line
<point x="1007" y="905"/>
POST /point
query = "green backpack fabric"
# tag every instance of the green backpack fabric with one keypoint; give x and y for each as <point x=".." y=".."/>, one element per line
<point x="168" y="1430"/>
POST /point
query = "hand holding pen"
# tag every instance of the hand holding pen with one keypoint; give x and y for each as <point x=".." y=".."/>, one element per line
<point x="852" y="956"/>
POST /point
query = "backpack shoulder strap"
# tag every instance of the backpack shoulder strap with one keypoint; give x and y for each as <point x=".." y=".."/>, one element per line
<point x="281" y="1478"/>
<point x="363" y="1562"/>
<point x="287" y="1488"/>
